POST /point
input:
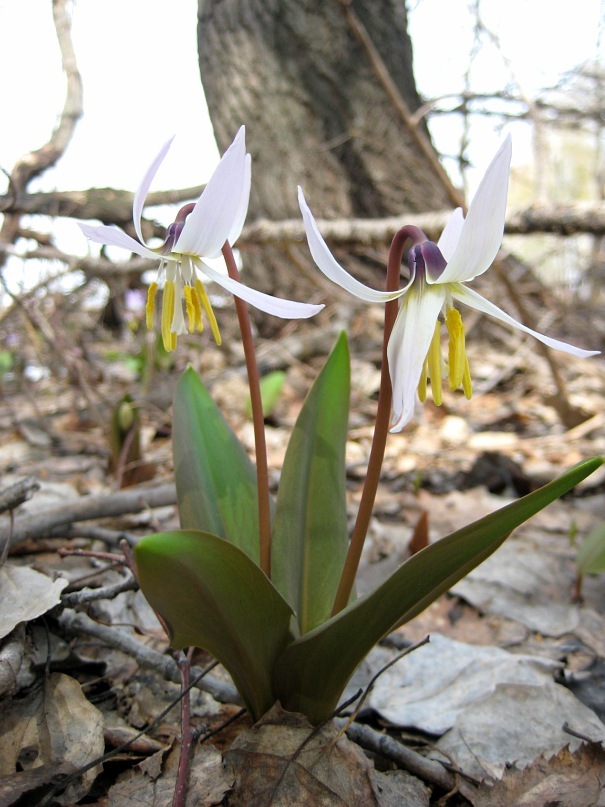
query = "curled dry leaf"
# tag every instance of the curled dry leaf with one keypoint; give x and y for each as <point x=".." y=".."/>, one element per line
<point x="153" y="784"/>
<point x="567" y="780"/>
<point x="25" y="594"/>
<point x="283" y="760"/>
<point x="54" y="726"/>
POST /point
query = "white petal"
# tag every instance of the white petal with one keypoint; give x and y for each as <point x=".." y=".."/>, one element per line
<point x="238" y="223"/>
<point x="219" y="208"/>
<point x="483" y="228"/>
<point x="141" y="193"/>
<point x="114" y="237"/>
<point x="330" y="266"/>
<point x="408" y="346"/>
<point x="287" y="309"/>
<point x="474" y="300"/>
<point x="450" y="236"/>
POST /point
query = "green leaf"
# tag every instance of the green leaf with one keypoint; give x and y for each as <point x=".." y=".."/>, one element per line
<point x="211" y="595"/>
<point x="271" y="386"/>
<point x="591" y="554"/>
<point x="310" y="536"/>
<point x="215" y="479"/>
<point x="312" y="672"/>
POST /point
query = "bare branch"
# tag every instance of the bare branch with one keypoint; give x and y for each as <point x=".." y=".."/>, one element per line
<point x="34" y="163"/>
<point x="51" y="521"/>
<point x="75" y="624"/>
<point x="559" y="219"/>
<point x="106" y="204"/>
<point x="38" y="161"/>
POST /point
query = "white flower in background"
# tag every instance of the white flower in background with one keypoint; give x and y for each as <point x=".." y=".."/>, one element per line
<point x="438" y="273"/>
<point x="196" y="236"/>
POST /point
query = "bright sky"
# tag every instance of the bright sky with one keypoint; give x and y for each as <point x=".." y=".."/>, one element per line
<point x="141" y="83"/>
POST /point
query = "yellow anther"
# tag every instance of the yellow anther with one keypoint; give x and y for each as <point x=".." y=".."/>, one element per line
<point x="190" y="306"/>
<point x="168" y="337"/>
<point x="457" y="348"/>
<point x="199" y="322"/>
<point x="467" y="384"/>
<point x="207" y="306"/>
<point x="422" y="382"/>
<point x="150" y="307"/>
<point x="434" y="365"/>
<point x="432" y="369"/>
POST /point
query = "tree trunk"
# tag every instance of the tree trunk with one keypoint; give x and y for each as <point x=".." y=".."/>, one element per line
<point x="317" y="115"/>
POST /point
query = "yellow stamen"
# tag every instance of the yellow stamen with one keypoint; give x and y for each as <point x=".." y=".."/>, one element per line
<point x="422" y="382"/>
<point x="203" y="298"/>
<point x="434" y="365"/>
<point x="190" y="306"/>
<point x="467" y="384"/>
<point x="199" y="322"/>
<point x="150" y="307"/>
<point x="457" y="348"/>
<point x="168" y="337"/>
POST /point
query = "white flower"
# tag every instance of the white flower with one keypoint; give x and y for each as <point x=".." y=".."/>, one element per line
<point x="438" y="272"/>
<point x="197" y="235"/>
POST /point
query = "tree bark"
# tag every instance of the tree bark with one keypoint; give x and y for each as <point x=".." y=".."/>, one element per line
<point x="317" y="115"/>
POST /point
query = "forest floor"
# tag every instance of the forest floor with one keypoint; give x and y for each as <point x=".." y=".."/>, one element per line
<point x="508" y="693"/>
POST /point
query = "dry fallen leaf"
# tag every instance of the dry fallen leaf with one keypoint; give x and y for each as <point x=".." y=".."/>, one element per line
<point x="567" y="780"/>
<point x="208" y="781"/>
<point x="282" y="760"/>
<point x="492" y="707"/>
<point x="526" y="584"/>
<point x="53" y="726"/>
<point x="25" y="594"/>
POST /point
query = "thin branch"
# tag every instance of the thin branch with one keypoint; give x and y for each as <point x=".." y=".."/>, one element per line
<point x="559" y="219"/>
<point x="51" y="521"/>
<point x="428" y="770"/>
<point x="106" y="204"/>
<point x="36" y="162"/>
<point x="14" y="495"/>
<point x="76" y="624"/>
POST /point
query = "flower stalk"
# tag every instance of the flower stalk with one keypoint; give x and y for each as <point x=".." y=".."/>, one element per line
<point x="381" y="430"/>
<point x="262" y="468"/>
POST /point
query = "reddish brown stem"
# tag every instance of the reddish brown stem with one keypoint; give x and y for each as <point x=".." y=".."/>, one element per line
<point x="262" y="470"/>
<point x="381" y="430"/>
<point x="179" y="798"/>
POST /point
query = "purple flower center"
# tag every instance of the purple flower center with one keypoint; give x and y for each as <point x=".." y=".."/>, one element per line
<point x="425" y="259"/>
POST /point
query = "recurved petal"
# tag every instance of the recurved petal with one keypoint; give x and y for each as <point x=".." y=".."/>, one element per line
<point x="448" y="241"/>
<point x="240" y="218"/>
<point x="141" y="193"/>
<point x="114" y="237"/>
<point x="408" y="346"/>
<point x="329" y="265"/>
<point x="219" y="209"/>
<point x="474" y="300"/>
<point x="287" y="309"/>
<point x="481" y="236"/>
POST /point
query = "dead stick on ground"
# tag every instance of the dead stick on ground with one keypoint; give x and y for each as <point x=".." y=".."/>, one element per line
<point x="77" y="624"/>
<point x="14" y="495"/>
<point x="426" y="769"/>
<point x="133" y="500"/>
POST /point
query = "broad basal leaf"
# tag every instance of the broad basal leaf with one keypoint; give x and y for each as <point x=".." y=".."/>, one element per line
<point x="312" y="672"/>
<point x="215" y="479"/>
<point x="211" y="595"/>
<point x="310" y="536"/>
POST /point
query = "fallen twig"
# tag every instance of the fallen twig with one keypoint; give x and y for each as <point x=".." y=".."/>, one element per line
<point x="73" y="598"/>
<point x="75" y="624"/>
<point x="428" y="770"/>
<point x="47" y="523"/>
<point x="16" y="494"/>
